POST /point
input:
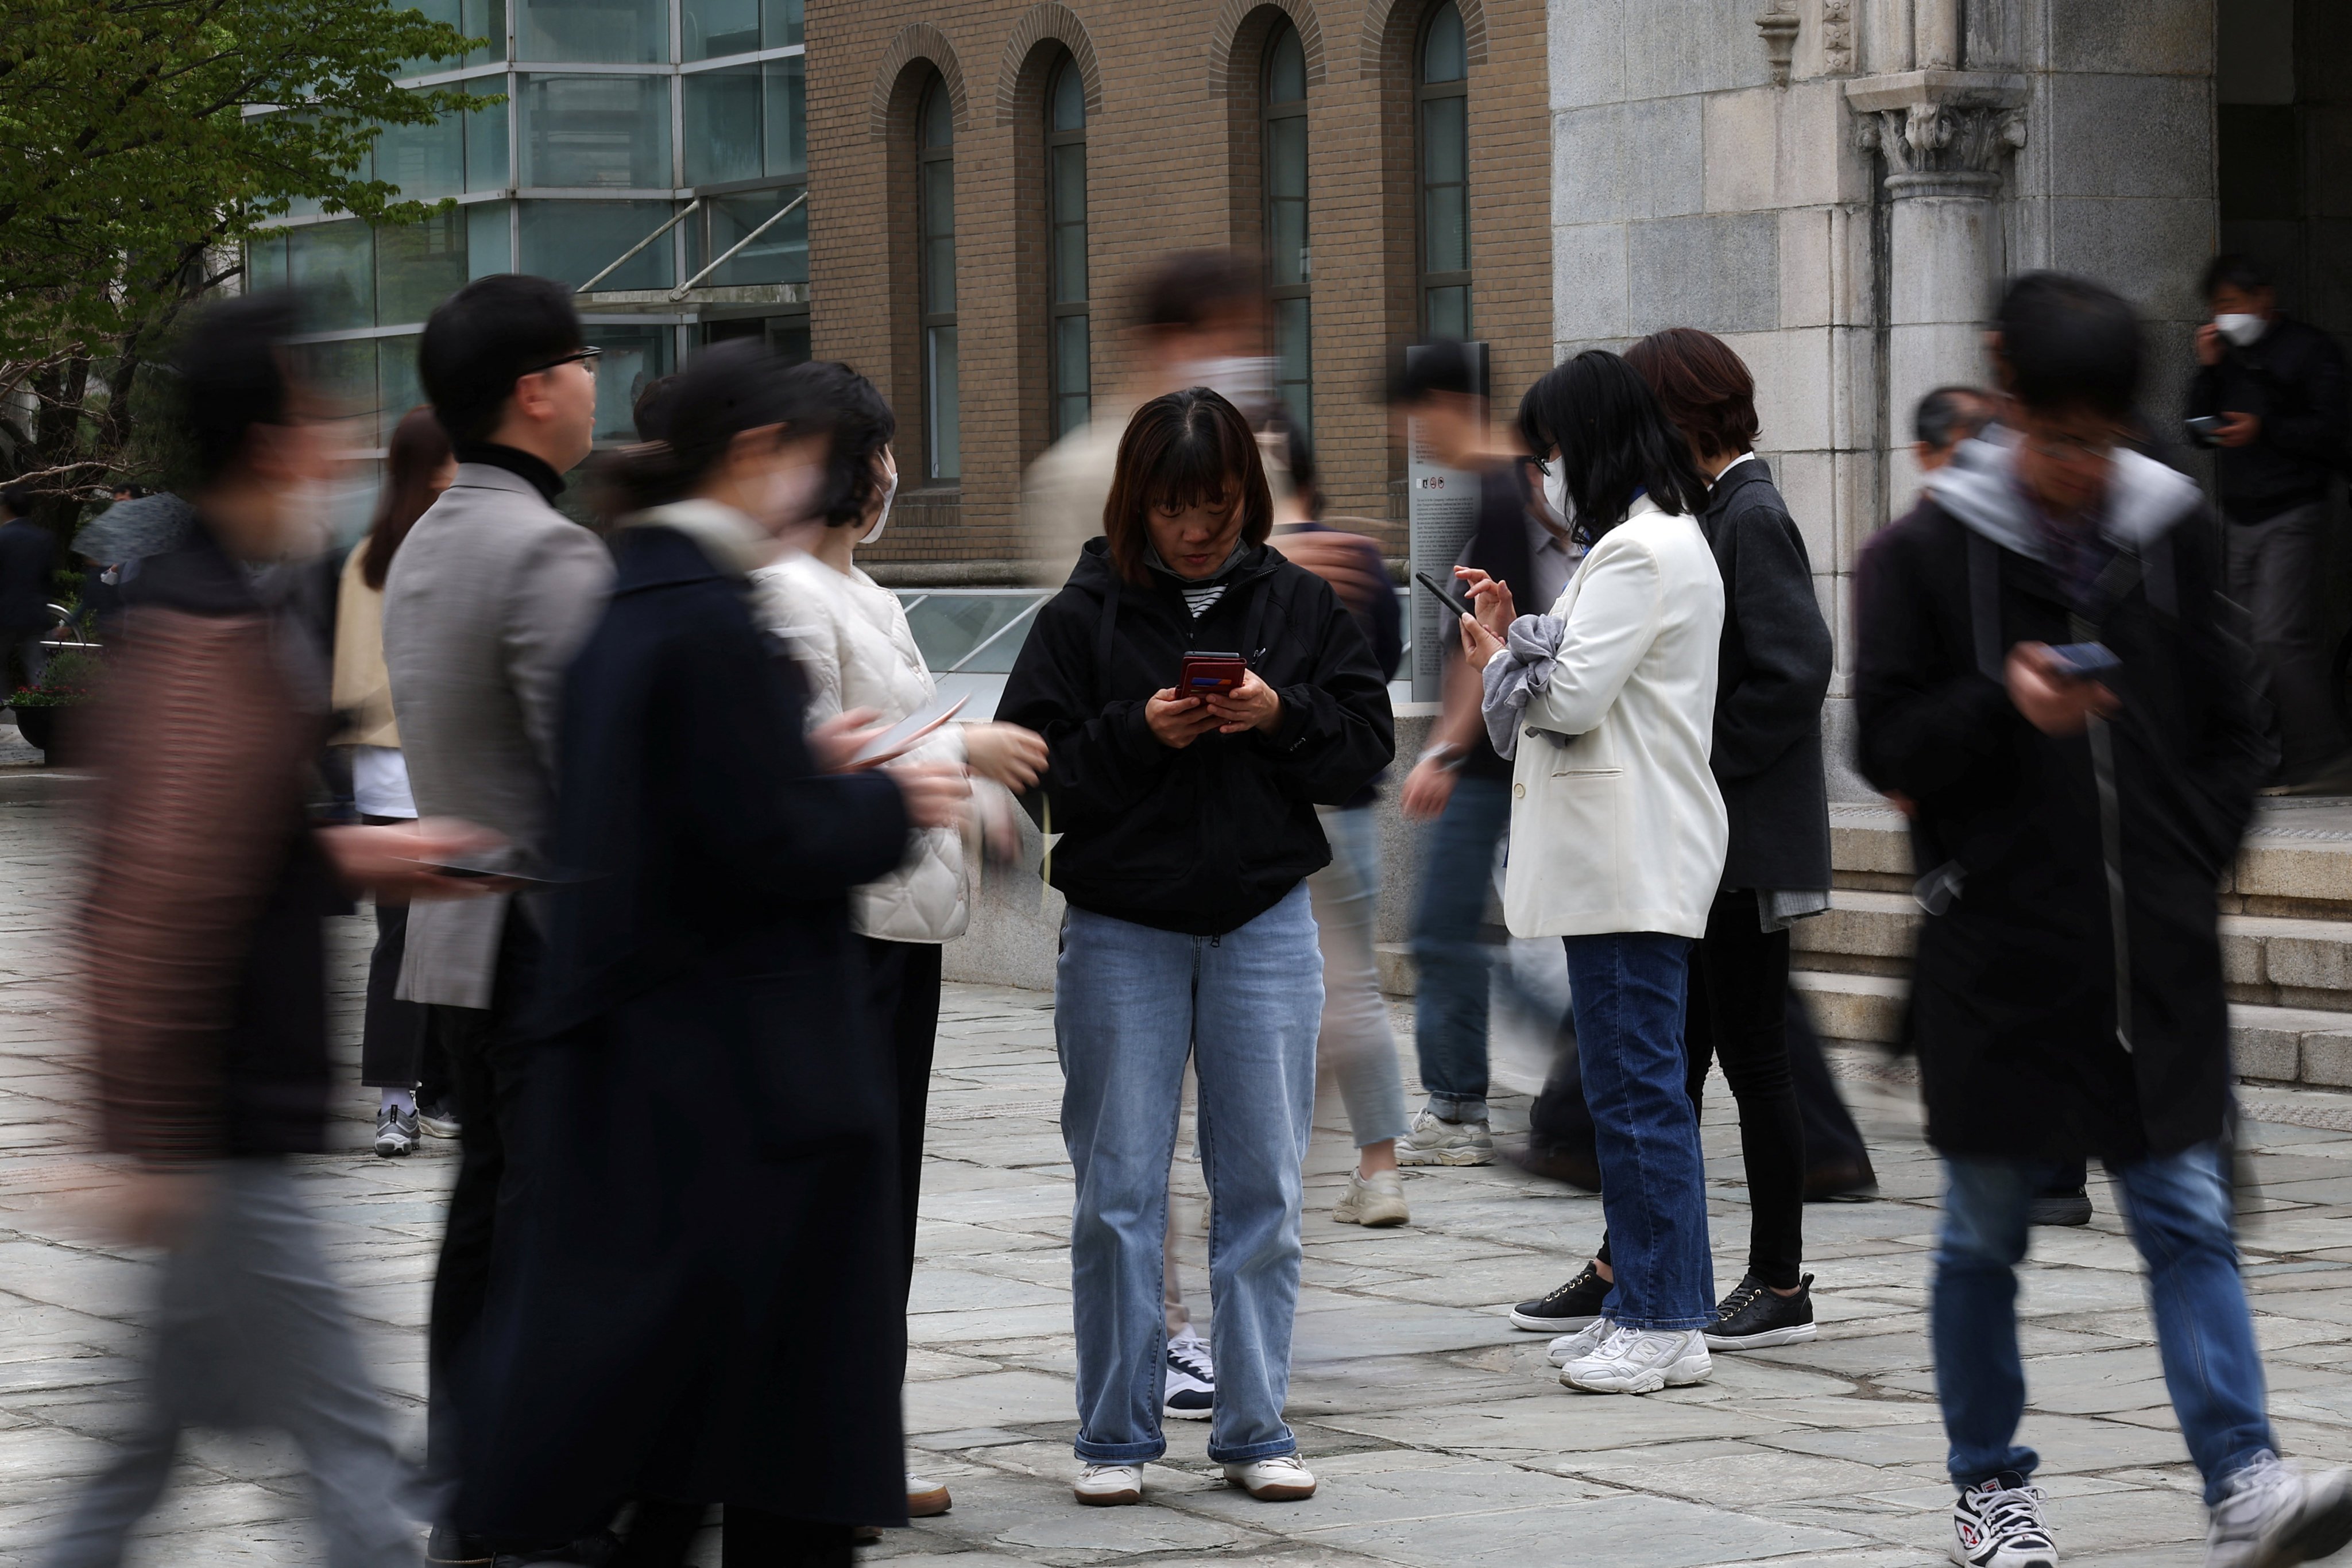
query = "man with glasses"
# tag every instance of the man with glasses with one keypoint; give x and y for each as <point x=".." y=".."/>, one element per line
<point x="2046" y="670"/>
<point x="491" y="593"/>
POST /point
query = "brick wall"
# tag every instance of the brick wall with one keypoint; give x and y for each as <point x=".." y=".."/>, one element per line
<point x="1172" y="162"/>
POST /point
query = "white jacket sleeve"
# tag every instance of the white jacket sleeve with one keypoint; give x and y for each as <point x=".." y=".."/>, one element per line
<point x="1611" y="624"/>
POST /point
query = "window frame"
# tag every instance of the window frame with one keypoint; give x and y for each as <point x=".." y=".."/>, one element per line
<point x="1269" y="113"/>
<point x="1425" y="281"/>
<point x="927" y="320"/>
<point x="1058" y="309"/>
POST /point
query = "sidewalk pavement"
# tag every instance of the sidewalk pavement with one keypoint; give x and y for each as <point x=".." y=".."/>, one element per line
<point x="1440" y="1436"/>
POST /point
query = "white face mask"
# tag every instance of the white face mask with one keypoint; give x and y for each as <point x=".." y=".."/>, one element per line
<point x="1243" y="380"/>
<point x="1555" y="494"/>
<point x="890" y="491"/>
<point x="2244" y="330"/>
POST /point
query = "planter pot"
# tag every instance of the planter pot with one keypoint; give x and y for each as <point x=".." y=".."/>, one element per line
<point x="39" y="727"/>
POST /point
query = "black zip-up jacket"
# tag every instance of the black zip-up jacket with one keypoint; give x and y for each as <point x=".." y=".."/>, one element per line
<point x="1206" y="838"/>
<point x="2293" y="380"/>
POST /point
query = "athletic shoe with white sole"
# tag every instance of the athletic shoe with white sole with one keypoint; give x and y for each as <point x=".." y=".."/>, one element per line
<point x="1433" y="1141"/>
<point x="1108" y="1486"/>
<point x="1756" y="1317"/>
<point x="1575" y="1305"/>
<point x="2274" y="1514"/>
<point x="927" y="1498"/>
<point x="1188" y="1386"/>
<point x="1997" y="1526"/>
<point x="437" y="1120"/>
<point x="1285" y="1477"/>
<point x="1374" y="1200"/>
<point x="1576" y="1346"/>
<point x="395" y="1133"/>
<point x="1642" y="1361"/>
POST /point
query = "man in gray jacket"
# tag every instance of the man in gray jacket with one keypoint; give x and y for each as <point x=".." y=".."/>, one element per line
<point x="489" y="596"/>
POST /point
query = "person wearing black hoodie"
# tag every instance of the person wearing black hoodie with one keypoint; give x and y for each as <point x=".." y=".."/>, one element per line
<point x="1186" y="831"/>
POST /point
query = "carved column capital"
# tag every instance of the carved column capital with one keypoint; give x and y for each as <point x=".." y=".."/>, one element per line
<point x="1940" y="131"/>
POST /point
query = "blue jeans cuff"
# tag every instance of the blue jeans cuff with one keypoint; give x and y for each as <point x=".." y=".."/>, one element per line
<point x="1119" y="1453"/>
<point x="1458" y="1107"/>
<point x="1666" y="1324"/>
<point x="1248" y="1452"/>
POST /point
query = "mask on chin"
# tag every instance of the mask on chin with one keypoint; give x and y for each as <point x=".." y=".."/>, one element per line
<point x="2244" y="330"/>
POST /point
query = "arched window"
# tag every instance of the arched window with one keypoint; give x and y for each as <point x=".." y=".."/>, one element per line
<point x="1289" y="272"/>
<point x="934" y="221"/>
<point x="1066" y="221"/>
<point x="1442" y="84"/>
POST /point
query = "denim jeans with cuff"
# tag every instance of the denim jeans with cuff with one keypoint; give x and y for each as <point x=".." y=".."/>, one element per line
<point x="2179" y="1210"/>
<point x="1131" y="1004"/>
<point x="1449" y="1028"/>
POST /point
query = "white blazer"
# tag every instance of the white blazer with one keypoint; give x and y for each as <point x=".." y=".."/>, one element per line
<point x="1616" y="823"/>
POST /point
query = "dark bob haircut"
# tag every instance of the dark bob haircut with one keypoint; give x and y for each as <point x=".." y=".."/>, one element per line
<point x="232" y="376"/>
<point x="486" y="337"/>
<point x="829" y="393"/>
<point x="1188" y="448"/>
<point x="1704" y="386"/>
<point x="2067" y="342"/>
<point x="1614" y="440"/>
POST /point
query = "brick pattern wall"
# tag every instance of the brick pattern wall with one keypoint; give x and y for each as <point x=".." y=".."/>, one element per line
<point x="1172" y="159"/>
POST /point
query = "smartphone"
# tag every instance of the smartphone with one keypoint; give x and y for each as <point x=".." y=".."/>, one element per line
<point x="2206" y="428"/>
<point x="547" y="876"/>
<point x="1449" y="597"/>
<point x="2085" y="660"/>
<point x="1210" y="675"/>
<point x="903" y="735"/>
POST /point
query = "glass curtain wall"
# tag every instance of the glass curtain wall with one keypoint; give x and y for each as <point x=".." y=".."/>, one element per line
<point x="1065" y="217"/>
<point x="1289" y="268"/>
<point x="1442" y="89"/>
<point x="935" y="223"/>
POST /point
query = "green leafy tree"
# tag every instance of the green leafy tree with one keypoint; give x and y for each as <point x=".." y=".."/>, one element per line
<point x="140" y="142"/>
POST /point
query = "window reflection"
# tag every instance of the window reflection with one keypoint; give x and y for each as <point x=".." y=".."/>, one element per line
<point x="713" y="28"/>
<point x="334" y="265"/>
<point x="745" y="122"/>
<point x="779" y="256"/>
<point x="593" y="131"/>
<point x="1066" y="196"/>
<point x="935" y="157"/>
<point x="633" y="356"/>
<point x="572" y="241"/>
<point x="605" y="32"/>
<point x="1441" y="167"/>
<point x="1290" y="272"/>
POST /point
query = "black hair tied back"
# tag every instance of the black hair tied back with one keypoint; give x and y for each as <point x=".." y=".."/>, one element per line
<point x="728" y="388"/>
<point x="1615" y="442"/>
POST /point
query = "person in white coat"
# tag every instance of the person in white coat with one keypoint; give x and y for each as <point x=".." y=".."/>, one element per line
<point x="1606" y="706"/>
<point x="850" y="638"/>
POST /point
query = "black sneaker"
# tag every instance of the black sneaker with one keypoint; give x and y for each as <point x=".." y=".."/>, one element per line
<point x="1753" y="1317"/>
<point x="2059" y="1209"/>
<point x="446" y="1545"/>
<point x="1575" y="1305"/>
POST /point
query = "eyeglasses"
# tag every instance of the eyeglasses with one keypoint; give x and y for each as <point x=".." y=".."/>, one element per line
<point x="579" y="357"/>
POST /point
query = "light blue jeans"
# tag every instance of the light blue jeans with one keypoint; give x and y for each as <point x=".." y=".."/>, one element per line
<point x="1131" y="1003"/>
<point x="1449" y="1019"/>
<point x="1356" y="1042"/>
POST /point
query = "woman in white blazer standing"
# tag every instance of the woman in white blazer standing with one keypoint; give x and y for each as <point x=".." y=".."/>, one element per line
<point x="1606" y="705"/>
<point x="850" y="638"/>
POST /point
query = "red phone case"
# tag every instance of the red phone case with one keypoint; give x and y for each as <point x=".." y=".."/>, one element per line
<point x="1208" y="674"/>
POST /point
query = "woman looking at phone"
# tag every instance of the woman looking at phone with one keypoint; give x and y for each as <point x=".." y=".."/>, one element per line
<point x="1606" y="705"/>
<point x="1188" y="830"/>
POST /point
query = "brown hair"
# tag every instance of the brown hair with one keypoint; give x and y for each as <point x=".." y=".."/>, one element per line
<point x="1704" y="386"/>
<point x="1188" y="448"/>
<point x="418" y="448"/>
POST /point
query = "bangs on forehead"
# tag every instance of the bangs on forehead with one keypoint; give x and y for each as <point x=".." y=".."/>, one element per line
<point x="1194" y="471"/>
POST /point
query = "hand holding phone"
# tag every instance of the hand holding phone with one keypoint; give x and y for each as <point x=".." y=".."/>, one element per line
<point x="1210" y="675"/>
<point x="2085" y="660"/>
<point x="1445" y="594"/>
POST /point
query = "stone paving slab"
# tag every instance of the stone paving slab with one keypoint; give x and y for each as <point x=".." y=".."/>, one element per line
<point x="1441" y="1436"/>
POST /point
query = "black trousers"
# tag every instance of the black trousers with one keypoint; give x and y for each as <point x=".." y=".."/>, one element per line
<point x="902" y="1001"/>
<point x="486" y="1059"/>
<point x="396" y="1039"/>
<point x="663" y="1530"/>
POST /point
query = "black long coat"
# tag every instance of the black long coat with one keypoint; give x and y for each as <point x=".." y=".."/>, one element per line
<point x="1770" y="677"/>
<point x="2015" y="988"/>
<point x="703" y="1300"/>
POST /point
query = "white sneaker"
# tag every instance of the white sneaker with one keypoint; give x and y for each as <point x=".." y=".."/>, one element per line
<point x="1642" y="1361"/>
<point x="926" y="1498"/>
<point x="1108" y="1486"/>
<point x="1994" y="1526"/>
<point x="1576" y="1346"/>
<point x="395" y="1132"/>
<point x="1188" y="1383"/>
<point x="1282" y="1478"/>
<point x="1433" y="1141"/>
<point x="1375" y="1199"/>
<point x="2274" y="1514"/>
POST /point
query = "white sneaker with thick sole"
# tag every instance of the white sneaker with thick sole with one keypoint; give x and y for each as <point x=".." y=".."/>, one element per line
<point x="1642" y="1361"/>
<point x="1108" y="1486"/>
<point x="1994" y="1526"/>
<point x="927" y="1498"/>
<point x="2275" y="1514"/>
<point x="1282" y="1478"/>
<point x="1576" y="1346"/>
<point x="1433" y="1141"/>
<point x="1375" y="1199"/>
<point x="1188" y="1379"/>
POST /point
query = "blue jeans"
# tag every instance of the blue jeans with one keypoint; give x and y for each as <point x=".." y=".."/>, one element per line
<point x="1356" y="1041"/>
<point x="1449" y="1028"/>
<point x="2179" y="1210"/>
<point x="1131" y="1003"/>
<point x="1628" y="991"/>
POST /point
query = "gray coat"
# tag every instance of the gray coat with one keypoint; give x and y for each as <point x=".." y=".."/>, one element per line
<point x="489" y="598"/>
<point x="1772" y="675"/>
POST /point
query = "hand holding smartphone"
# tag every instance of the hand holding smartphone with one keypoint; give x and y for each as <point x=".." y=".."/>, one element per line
<point x="1210" y="675"/>
<point x="1445" y="595"/>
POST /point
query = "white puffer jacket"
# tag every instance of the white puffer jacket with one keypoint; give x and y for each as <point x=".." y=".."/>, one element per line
<point x="851" y="637"/>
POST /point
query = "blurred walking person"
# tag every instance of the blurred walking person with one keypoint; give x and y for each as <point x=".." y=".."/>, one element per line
<point x="27" y="550"/>
<point x="1188" y="830"/>
<point x="850" y="637"/>
<point x="2075" y="806"/>
<point x="394" y="1041"/>
<point x="1618" y="833"/>
<point x="700" y="1289"/>
<point x="206" y="960"/>
<point x="1461" y="785"/>
<point x="484" y="605"/>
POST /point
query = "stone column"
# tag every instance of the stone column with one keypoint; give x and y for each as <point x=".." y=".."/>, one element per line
<point x="1944" y="134"/>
